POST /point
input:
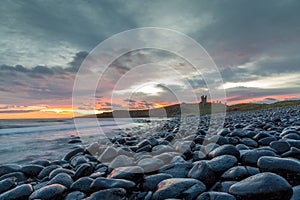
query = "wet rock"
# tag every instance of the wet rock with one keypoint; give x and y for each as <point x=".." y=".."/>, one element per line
<point x="223" y="186"/>
<point x="82" y="184"/>
<point x="150" y="164"/>
<point x="222" y="163"/>
<point x="108" y="194"/>
<point x="63" y="179"/>
<point x="83" y="170"/>
<point x="215" y="196"/>
<point x="32" y="170"/>
<point x="151" y="182"/>
<point x="121" y="161"/>
<point x="293" y="152"/>
<point x="106" y="183"/>
<point x="9" y="168"/>
<point x="267" y="140"/>
<point x="46" y="171"/>
<point x="251" y="157"/>
<point x="280" y="146"/>
<point x="175" y="188"/>
<point x="236" y="173"/>
<point x="177" y="170"/>
<point x="21" y="192"/>
<point x="7" y="184"/>
<point x="249" y="142"/>
<point x="60" y="170"/>
<point x="76" y="195"/>
<point x="108" y="155"/>
<point x="18" y="175"/>
<point x="49" y="192"/>
<point x="226" y="149"/>
<point x="133" y="173"/>
<point x="262" y="186"/>
<point x="77" y="160"/>
<point x="72" y="153"/>
<point x="202" y="171"/>
<point x="296" y="193"/>
<point x="43" y="163"/>
<point x="285" y="167"/>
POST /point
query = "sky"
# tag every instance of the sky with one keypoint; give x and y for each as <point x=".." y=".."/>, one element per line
<point x="254" y="44"/>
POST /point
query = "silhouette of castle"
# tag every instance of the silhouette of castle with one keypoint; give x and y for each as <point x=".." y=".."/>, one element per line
<point x="203" y="99"/>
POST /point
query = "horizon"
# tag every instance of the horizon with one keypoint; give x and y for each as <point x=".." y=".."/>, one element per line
<point x="255" y="47"/>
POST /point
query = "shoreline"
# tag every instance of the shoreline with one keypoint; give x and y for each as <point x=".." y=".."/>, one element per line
<point x="173" y="160"/>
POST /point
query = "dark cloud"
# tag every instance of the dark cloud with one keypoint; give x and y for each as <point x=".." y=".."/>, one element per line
<point x="16" y="111"/>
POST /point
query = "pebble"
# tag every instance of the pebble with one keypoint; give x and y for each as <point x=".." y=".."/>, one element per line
<point x="176" y="170"/>
<point x="202" y="171"/>
<point x="7" y="184"/>
<point x="21" y="192"/>
<point x="76" y="195"/>
<point x="251" y="157"/>
<point x="106" y="183"/>
<point x="150" y="164"/>
<point x="261" y="187"/>
<point x="108" y="194"/>
<point x="63" y="179"/>
<point x="49" y="192"/>
<point x="151" y="182"/>
<point x="215" y="196"/>
<point x="134" y="173"/>
<point x="83" y="184"/>
<point x="32" y="170"/>
<point x="226" y="149"/>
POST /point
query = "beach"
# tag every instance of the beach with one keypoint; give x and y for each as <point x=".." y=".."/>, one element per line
<point x="255" y="155"/>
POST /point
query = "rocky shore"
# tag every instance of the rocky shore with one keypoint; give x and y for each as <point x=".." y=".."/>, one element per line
<point x="255" y="156"/>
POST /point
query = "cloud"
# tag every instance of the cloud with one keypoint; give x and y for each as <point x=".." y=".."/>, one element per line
<point x="16" y="111"/>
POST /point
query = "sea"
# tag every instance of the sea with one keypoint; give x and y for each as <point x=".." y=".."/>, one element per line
<point x="25" y="140"/>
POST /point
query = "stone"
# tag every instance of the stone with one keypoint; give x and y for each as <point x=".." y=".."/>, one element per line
<point x="151" y="182"/>
<point x="49" y="192"/>
<point x="202" y="171"/>
<point x="72" y="153"/>
<point x="32" y="170"/>
<point x="285" y="167"/>
<point x="76" y="195"/>
<point x="21" y="192"/>
<point x="9" y="168"/>
<point x="236" y="173"/>
<point x="133" y="173"/>
<point x="215" y="196"/>
<point x="83" y="170"/>
<point x="60" y="170"/>
<point x="227" y="149"/>
<point x="63" y="179"/>
<point x="108" y="194"/>
<point x="280" y="146"/>
<point x="108" y="155"/>
<point x="47" y="170"/>
<point x="43" y="163"/>
<point x="7" y="184"/>
<point x="223" y="186"/>
<point x="177" y="170"/>
<point x="267" y="140"/>
<point x="121" y="161"/>
<point x="107" y="183"/>
<point x="83" y="184"/>
<point x="150" y="164"/>
<point x="249" y="142"/>
<point x="262" y="186"/>
<point x="251" y="157"/>
<point x="222" y="163"/>
<point x="175" y="188"/>
<point x="20" y="176"/>
<point x="296" y="193"/>
<point x="293" y="152"/>
<point x="77" y="160"/>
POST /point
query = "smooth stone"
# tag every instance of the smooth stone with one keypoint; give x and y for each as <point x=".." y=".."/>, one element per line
<point x="236" y="173"/>
<point x="143" y="143"/>
<point x="19" y="175"/>
<point x="223" y="186"/>
<point x="151" y="182"/>
<point x="166" y="157"/>
<point x="285" y="167"/>
<point x="280" y="146"/>
<point x="72" y="153"/>
<point x="261" y="135"/>
<point x="210" y="147"/>
<point x="215" y="196"/>
<point x="108" y="194"/>
<point x="49" y="192"/>
<point x="83" y="170"/>
<point x="161" y="149"/>
<point x="238" y="132"/>
<point x="242" y="147"/>
<point x="9" y="168"/>
<point x="106" y="183"/>
<point x="198" y="155"/>
<point x="227" y="149"/>
<point x="193" y="191"/>
<point x="293" y="136"/>
<point x="32" y="170"/>
<point x="202" y="171"/>
<point x="177" y="170"/>
<point x="83" y="184"/>
<point x="73" y="141"/>
<point x="108" y="155"/>
<point x="150" y="164"/>
<point x="46" y="171"/>
<point x="43" y="163"/>
<point x="60" y="170"/>
<point x="21" y="192"/>
<point x="262" y="186"/>
<point x="76" y="195"/>
<point x="133" y="173"/>
<point x="222" y="163"/>
<point x="121" y="161"/>
<point x="63" y="179"/>
<point x="296" y="193"/>
<point x="249" y="142"/>
<point x="77" y="160"/>
<point x="175" y="188"/>
<point x="182" y="147"/>
<point x="293" y="152"/>
<point x="7" y="184"/>
<point x="251" y="157"/>
<point x="267" y="140"/>
<point x="146" y="148"/>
